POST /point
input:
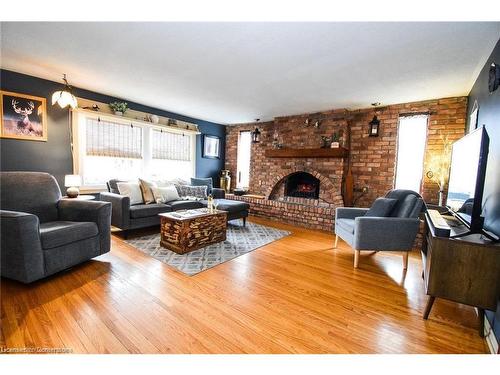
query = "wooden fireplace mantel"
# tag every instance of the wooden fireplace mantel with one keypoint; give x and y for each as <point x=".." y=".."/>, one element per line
<point x="339" y="152"/>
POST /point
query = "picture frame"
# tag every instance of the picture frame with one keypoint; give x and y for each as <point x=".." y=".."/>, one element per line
<point x="211" y="147"/>
<point x="23" y="116"/>
<point x="473" y="117"/>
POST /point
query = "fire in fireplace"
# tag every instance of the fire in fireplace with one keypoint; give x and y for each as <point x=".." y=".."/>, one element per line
<point x="302" y="185"/>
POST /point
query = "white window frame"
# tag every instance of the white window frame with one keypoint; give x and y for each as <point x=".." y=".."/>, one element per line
<point x="238" y="166"/>
<point x="402" y="117"/>
<point x="78" y="124"/>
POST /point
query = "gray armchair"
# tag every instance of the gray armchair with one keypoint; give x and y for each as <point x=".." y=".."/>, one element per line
<point x="42" y="234"/>
<point x="397" y="232"/>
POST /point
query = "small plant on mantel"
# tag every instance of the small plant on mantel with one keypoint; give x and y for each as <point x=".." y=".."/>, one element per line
<point x="119" y="108"/>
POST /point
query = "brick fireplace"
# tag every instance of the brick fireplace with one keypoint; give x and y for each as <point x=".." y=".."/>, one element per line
<point x="372" y="159"/>
<point x="301" y="185"/>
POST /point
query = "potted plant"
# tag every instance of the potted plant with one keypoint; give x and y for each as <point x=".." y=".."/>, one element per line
<point x="118" y="108"/>
<point x="335" y="140"/>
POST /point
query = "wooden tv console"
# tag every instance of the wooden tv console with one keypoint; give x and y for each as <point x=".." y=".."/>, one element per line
<point x="464" y="270"/>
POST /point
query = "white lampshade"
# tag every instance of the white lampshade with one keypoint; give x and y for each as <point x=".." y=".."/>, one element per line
<point x="64" y="98"/>
<point x="72" y="180"/>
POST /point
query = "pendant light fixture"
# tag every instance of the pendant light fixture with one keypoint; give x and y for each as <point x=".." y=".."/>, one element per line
<point x="65" y="96"/>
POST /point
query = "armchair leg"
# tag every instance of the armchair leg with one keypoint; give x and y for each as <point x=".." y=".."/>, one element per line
<point x="356" y="258"/>
<point x="336" y="241"/>
<point x="405" y="260"/>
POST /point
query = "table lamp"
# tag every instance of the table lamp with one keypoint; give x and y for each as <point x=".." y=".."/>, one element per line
<point x="72" y="182"/>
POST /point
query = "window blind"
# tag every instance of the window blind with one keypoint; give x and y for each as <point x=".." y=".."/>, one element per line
<point x="171" y="146"/>
<point x="106" y="138"/>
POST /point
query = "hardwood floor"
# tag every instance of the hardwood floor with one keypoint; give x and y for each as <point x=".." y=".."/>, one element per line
<point x="296" y="295"/>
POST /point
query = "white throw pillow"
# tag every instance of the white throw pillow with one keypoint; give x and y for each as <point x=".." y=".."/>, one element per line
<point x="165" y="194"/>
<point x="131" y="190"/>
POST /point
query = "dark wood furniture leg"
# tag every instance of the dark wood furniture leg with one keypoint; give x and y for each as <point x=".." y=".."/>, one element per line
<point x="480" y="315"/>
<point x="428" y="307"/>
<point x="244" y="221"/>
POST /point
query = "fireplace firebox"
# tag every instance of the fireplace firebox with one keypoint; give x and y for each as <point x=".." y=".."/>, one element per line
<point x="302" y="185"/>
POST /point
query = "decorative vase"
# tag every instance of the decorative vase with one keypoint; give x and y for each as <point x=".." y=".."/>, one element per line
<point x="335" y="145"/>
<point x="225" y="180"/>
<point x="155" y="119"/>
<point x="118" y="113"/>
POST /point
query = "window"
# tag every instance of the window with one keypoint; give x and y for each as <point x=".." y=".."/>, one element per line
<point x="107" y="147"/>
<point x="243" y="159"/>
<point x="412" y="132"/>
<point x="172" y="155"/>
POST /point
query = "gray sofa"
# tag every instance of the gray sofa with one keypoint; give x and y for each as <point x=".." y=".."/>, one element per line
<point x="394" y="233"/>
<point x="127" y="217"/>
<point x="42" y="234"/>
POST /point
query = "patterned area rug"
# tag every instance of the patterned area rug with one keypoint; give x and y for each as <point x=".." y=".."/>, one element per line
<point x="240" y="240"/>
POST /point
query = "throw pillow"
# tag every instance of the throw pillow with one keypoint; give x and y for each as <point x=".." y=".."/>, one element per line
<point x="147" y="193"/>
<point x="165" y="194"/>
<point x="131" y="190"/>
<point x="189" y="192"/>
<point x="203" y="182"/>
<point x="382" y="207"/>
<point x="175" y="181"/>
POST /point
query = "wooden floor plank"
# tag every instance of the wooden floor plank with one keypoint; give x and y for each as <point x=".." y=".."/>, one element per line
<point x="295" y="295"/>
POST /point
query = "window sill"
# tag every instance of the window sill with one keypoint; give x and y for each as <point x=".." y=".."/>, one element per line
<point x="92" y="189"/>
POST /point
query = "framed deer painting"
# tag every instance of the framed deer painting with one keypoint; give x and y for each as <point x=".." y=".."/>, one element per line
<point x="23" y="116"/>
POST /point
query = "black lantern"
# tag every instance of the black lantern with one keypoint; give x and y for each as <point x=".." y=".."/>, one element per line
<point x="256" y="136"/>
<point x="374" y="127"/>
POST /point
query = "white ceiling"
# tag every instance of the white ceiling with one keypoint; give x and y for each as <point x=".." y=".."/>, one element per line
<point x="235" y="72"/>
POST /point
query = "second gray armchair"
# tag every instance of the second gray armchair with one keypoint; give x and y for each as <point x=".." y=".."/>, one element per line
<point x="394" y="232"/>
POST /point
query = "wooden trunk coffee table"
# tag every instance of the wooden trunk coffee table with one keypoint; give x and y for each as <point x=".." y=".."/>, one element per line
<point x="182" y="233"/>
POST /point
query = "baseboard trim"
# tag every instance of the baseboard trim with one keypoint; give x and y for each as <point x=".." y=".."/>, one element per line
<point x="490" y="338"/>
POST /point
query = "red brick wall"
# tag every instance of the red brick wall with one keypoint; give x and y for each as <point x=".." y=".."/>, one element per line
<point x="373" y="158"/>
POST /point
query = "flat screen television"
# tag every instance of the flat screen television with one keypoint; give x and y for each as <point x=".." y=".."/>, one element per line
<point x="466" y="183"/>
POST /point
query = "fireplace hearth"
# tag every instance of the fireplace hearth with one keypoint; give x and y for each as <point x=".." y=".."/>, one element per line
<point x="302" y="185"/>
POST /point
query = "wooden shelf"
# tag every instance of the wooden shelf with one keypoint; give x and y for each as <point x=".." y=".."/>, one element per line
<point x="339" y="152"/>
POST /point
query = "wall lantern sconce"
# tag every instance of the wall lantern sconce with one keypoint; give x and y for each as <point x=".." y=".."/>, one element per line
<point x="256" y="133"/>
<point x="374" y="127"/>
<point x="65" y="97"/>
<point x="374" y="124"/>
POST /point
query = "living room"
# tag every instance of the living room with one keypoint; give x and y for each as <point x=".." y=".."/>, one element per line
<point x="303" y="188"/>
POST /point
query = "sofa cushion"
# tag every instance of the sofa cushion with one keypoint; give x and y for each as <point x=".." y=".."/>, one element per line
<point x="131" y="190"/>
<point x="145" y="210"/>
<point x="184" y="205"/>
<point x="229" y="205"/>
<point x="59" y="233"/>
<point x="346" y="224"/>
<point x="203" y="182"/>
<point x="112" y="187"/>
<point x="195" y="192"/>
<point x="382" y="207"/>
<point x="146" y="190"/>
<point x="165" y="194"/>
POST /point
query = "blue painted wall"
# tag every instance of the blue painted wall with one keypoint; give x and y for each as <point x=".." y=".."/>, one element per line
<point x="54" y="155"/>
<point x="489" y="116"/>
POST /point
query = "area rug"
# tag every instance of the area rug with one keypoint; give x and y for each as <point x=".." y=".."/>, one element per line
<point x="240" y="240"/>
